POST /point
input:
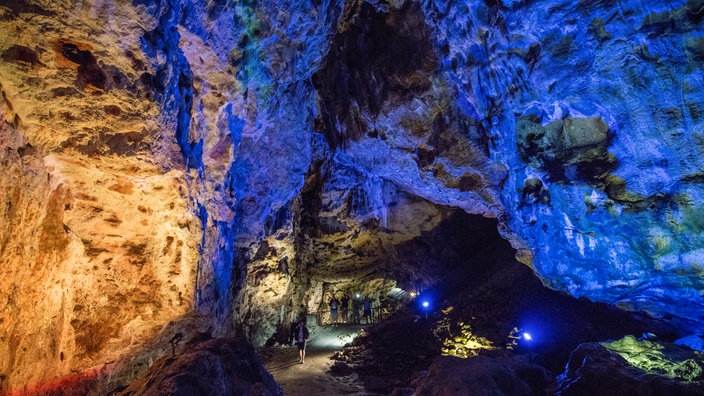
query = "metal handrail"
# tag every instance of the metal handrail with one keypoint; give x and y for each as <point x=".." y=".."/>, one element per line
<point x="323" y="316"/>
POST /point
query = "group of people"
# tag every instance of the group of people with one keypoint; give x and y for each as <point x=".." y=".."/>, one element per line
<point x="342" y="306"/>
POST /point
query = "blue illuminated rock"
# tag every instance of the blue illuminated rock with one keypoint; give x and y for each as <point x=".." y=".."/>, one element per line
<point x="578" y="126"/>
<point x="603" y="117"/>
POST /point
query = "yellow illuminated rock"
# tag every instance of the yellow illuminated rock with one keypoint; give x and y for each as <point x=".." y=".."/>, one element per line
<point x="95" y="232"/>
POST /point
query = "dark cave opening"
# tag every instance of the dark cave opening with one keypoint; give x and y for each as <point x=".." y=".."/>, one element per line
<point x="457" y="250"/>
<point x="465" y="263"/>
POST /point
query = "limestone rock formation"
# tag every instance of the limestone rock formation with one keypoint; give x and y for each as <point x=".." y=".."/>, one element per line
<point x="176" y="166"/>
<point x="666" y="370"/>
<point x="98" y="243"/>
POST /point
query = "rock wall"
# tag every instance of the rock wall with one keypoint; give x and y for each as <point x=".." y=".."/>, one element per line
<point x="595" y="108"/>
<point x="99" y="243"/>
<point x="174" y="166"/>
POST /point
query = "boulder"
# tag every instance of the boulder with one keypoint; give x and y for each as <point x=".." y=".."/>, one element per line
<point x="665" y="369"/>
<point x="479" y="375"/>
<point x="220" y="366"/>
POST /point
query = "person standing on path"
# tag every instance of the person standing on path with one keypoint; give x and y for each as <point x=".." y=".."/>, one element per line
<point x="368" y="309"/>
<point x="345" y="302"/>
<point x="334" y="306"/>
<point x="356" y="305"/>
<point x="301" y="337"/>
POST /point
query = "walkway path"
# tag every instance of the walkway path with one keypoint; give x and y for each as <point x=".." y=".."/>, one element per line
<point x="313" y="377"/>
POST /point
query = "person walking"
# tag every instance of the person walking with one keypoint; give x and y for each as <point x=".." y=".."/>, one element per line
<point x="301" y="337"/>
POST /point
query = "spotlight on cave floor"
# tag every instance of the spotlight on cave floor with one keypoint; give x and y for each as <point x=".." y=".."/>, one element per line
<point x="334" y="338"/>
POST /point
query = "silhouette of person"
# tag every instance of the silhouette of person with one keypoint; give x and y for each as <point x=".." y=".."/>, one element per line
<point x="174" y="341"/>
<point x="345" y="308"/>
<point x="368" y="309"/>
<point x="356" y="305"/>
<point x="334" y="306"/>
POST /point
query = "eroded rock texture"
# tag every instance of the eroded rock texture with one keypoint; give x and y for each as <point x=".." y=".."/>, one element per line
<point x="626" y="368"/>
<point x="99" y="244"/>
<point x="176" y="166"/>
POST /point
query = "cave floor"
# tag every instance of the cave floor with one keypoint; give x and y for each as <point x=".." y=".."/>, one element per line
<point x="314" y="377"/>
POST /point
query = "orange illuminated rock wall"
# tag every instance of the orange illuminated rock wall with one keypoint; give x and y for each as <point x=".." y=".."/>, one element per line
<point x="98" y="249"/>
